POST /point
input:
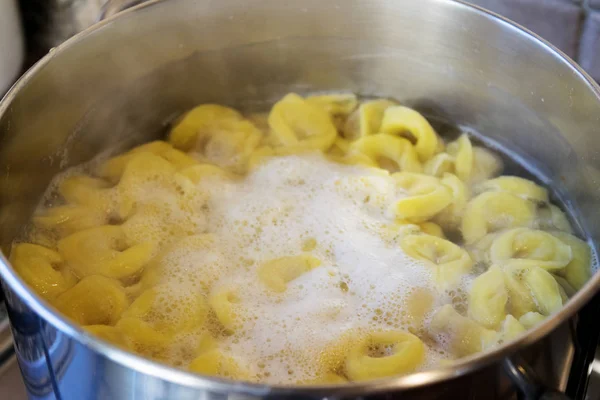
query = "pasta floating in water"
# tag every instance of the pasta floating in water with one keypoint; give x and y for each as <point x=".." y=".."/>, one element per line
<point x="329" y="240"/>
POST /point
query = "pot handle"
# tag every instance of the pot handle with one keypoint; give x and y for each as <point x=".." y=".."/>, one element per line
<point x="528" y="383"/>
<point x="113" y="7"/>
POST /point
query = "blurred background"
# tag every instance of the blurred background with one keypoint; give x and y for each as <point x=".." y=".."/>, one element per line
<point x="29" y="28"/>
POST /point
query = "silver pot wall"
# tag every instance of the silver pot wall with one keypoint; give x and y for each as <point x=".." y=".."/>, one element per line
<point x="122" y="81"/>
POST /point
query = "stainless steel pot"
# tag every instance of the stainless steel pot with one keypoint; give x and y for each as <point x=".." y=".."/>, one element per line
<point x="123" y="80"/>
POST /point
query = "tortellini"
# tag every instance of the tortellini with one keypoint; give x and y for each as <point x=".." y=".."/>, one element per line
<point x="217" y="363"/>
<point x="578" y="270"/>
<point x="450" y="262"/>
<point x="42" y="268"/>
<point x="169" y="314"/>
<point x="493" y="211"/>
<point x="141" y="251"/>
<point x="529" y="247"/>
<point x="366" y="120"/>
<point x="421" y="196"/>
<point x="277" y="273"/>
<point x="466" y="336"/>
<point x="299" y="124"/>
<point x="382" y="354"/>
<point x="389" y="152"/>
<point x="531" y="289"/>
<point x="488" y="297"/>
<point x="104" y="251"/>
<point x="224" y="303"/>
<point x="518" y="186"/>
<point x="113" y="168"/>
<point x="403" y="121"/>
<point x="217" y="134"/>
<point x="94" y="300"/>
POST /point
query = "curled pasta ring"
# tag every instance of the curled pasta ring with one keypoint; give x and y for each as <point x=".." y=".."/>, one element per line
<point x="450" y="262"/>
<point x="42" y="269"/>
<point x="466" y="336"/>
<point x="407" y="354"/>
<point x="426" y="196"/>
<point x="493" y="211"/>
<point x="485" y="165"/>
<point x="578" y="271"/>
<point x="104" y="251"/>
<point x="334" y="104"/>
<point x="515" y="185"/>
<point x="488" y="297"/>
<point x="94" y="300"/>
<point x="296" y="123"/>
<point x="524" y="246"/>
<point x="387" y="151"/>
<point x="366" y="120"/>
<point x="531" y="289"/>
<point x="224" y="301"/>
<point x="450" y="217"/>
<point x="68" y="219"/>
<point x="462" y="152"/>
<point x="167" y="312"/>
<point x="113" y="168"/>
<point x="277" y="273"/>
<point x="215" y="362"/>
<point x="400" y="120"/>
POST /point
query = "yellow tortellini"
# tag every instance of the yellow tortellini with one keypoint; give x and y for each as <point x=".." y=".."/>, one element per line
<point x="450" y="262"/>
<point x="384" y="353"/>
<point x="104" y="251"/>
<point x="142" y="337"/>
<point x="215" y="362"/>
<point x="511" y="329"/>
<point x="577" y="271"/>
<point x="529" y="247"/>
<point x="224" y="302"/>
<point x="451" y="216"/>
<point x="67" y="219"/>
<point x="85" y="190"/>
<point x="169" y="313"/>
<point x="493" y="211"/>
<point x="531" y="289"/>
<point x="94" y="300"/>
<point x="531" y="319"/>
<point x="551" y="218"/>
<point x="298" y="124"/>
<point x="461" y="151"/>
<point x="400" y="120"/>
<point x="421" y="196"/>
<point x="466" y="336"/>
<point x="388" y="152"/>
<point x="217" y="134"/>
<point x="335" y="104"/>
<point x="277" y="273"/>
<point x="42" y="268"/>
<point x="113" y="168"/>
<point x="488" y="297"/>
<point x="366" y="120"/>
<point x="518" y="186"/>
<point x="485" y="165"/>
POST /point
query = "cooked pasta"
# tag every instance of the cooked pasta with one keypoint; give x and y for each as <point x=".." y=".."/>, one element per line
<point x="330" y="240"/>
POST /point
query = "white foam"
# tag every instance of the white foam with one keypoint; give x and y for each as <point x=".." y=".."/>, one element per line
<point x="270" y="214"/>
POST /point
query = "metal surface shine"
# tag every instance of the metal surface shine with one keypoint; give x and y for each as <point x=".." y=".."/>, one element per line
<point x="115" y="83"/>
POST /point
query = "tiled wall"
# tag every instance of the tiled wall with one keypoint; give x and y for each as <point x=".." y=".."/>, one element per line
<point x="571" y="25"/>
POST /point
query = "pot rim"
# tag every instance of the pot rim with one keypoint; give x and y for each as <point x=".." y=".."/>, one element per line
<point x="192" y="380"/>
